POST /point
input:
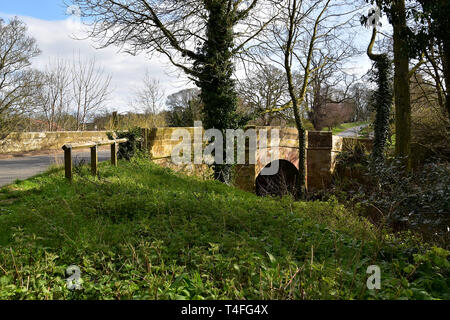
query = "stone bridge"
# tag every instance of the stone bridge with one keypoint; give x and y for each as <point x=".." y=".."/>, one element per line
<point x="321" y="151"/>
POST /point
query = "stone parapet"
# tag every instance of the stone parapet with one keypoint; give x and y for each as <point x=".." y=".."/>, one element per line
<point x="18" y="142"/>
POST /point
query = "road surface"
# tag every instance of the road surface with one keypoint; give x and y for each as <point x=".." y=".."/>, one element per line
<point x="26" y="167"/>
<point x="352" y="132"/>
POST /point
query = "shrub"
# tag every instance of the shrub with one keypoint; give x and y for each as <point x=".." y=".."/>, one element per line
<point x="418" y="201"/>
<point x="129" y="149"/>
<point x="351" y="166"/>
<point x="430" y="136"/>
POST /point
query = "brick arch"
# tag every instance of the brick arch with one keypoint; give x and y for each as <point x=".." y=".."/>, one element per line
<point x="318" y="158"/>
<point x="285" y="154"/>
<point x="279" y="184"/>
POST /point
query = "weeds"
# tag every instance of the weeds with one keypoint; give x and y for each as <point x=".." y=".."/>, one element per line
<point x="143" y="232"/>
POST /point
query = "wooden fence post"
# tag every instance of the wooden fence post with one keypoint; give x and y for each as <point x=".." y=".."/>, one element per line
<point x="94" y="160"/>
<point x="68" y="161"/>
<point x="114" y="154"/>
<point x="144" y="142"/>
<point x="94" y="154"/>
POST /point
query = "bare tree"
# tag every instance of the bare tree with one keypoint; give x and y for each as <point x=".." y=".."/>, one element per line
<point x="329" y="81"/>
<point x="149" y="100"/>
<point x="202" y="38"/>
<point x="326" y="89"/>
<point x="430" y="123"/>
<point x="185" y="107"/>
<point x="265" y="89"/>
<point x="17" y="80"/>
<point x="361" y="94"/>
<point x="433" y="40"/>
<point x="90" y="89"/>
<point x="432" y="74"/>
<point x="301" y="29"/>
<point x="54" y="96"/>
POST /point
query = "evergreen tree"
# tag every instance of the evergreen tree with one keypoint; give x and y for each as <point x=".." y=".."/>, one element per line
<point x="215" y="70"/>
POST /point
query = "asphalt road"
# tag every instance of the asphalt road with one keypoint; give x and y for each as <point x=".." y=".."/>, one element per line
<point x="352" y="132"/>
<point x="25" y="167"/>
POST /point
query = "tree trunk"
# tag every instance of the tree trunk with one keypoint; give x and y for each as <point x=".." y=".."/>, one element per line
<point x="296" y="102"/>
<point x="218" y="88"/>
<point x="301" y="178"/>
<point x="444" y="35"/>
<point x="383" y="101"/>
<point x="446" y="65"/>
<point x="401" y="84"/>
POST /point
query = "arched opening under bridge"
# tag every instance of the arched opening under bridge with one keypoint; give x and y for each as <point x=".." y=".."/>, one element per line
<point x="280" y="184"/>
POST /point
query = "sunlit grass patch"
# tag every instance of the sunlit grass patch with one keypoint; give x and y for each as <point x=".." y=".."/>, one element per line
<point x="140" y="231"/>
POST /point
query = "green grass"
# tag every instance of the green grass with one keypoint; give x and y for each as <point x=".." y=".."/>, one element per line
<point x="346" y="126"/>
<point x="144" y="232"/>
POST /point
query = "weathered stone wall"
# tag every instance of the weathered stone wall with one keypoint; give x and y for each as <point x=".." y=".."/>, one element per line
<point x="318" y="159"/>
<point x="345" y="143"/>
<point x="161" y="142"/>
<point x="246" y="174"/>
<point x="36" y="141"/>
<point x="321" y="151"/>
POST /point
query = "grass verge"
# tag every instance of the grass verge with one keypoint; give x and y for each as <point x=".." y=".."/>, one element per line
<point x="143" y="232"/>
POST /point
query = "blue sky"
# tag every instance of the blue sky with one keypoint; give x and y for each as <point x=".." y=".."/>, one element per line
<point x="41" y="9"/>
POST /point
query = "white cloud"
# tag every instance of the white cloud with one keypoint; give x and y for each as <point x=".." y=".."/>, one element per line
<point x="55" y="39"/>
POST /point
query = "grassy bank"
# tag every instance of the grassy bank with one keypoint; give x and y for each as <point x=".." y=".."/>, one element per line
<point x="143" y="232"/>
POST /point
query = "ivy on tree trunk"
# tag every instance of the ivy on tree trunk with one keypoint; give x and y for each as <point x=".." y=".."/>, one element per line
<point x="382" y="100"/>
<point x="215" y="72"/>
<point x="401" y="83"/>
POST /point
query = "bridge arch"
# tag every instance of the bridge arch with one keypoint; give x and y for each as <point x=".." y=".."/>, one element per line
<point x="280" y="184"/>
